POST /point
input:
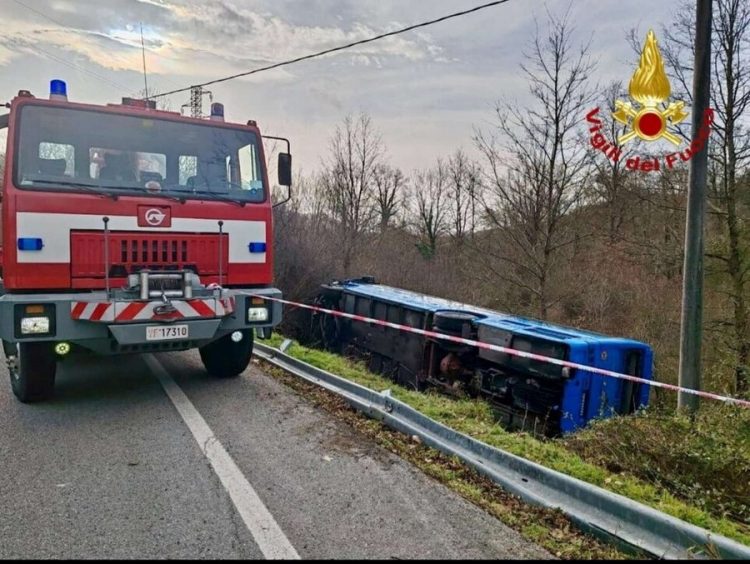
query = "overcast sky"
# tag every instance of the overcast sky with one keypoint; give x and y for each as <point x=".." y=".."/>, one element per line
<point x="426" y="90"/>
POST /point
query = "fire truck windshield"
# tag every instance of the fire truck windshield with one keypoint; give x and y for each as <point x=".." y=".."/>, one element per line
<point x="65" y="149"/>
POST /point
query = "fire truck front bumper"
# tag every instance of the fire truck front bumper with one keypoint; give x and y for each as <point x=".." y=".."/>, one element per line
<point x="117" y="325"/>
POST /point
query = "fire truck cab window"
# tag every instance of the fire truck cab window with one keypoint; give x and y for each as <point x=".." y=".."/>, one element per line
<point x="250" y="168"/>
<point x="188" y="166"/>
<point x="108" y="164"/>
<point x="132" y="154"/>
<point x="56" y="159"/>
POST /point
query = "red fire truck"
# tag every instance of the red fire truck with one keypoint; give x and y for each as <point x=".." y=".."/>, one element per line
<point x="126" y="229"/>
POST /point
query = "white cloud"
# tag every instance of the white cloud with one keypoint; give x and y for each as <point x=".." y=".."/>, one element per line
<point x="205" y="39"/>
<point x="6" y="55"/>
<point x="426" y="89"/>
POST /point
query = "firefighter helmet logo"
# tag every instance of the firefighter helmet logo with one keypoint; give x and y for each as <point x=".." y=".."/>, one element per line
<point x="650" y="89"/>
<point x="155" y="217"/>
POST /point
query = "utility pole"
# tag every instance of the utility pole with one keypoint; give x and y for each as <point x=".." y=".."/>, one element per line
<point x="692" y="289"/>
<point x="196" y="101"/>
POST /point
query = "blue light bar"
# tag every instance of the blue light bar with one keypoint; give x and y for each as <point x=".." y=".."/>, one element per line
<point x="217" y="111"/>
<point x="30" y="244"/>
<point x="58" y="90"/>
<point x="257" y="248"/>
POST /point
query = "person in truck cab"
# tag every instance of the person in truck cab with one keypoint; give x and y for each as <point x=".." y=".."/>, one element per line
<point x="118" y="167"/>
<point x="51" y="167"/>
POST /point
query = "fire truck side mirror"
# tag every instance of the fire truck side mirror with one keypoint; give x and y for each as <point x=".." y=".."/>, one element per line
<point x="285" y="169"/>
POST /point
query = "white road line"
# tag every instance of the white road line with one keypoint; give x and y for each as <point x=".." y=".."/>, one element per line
<point x="262" y="526"/>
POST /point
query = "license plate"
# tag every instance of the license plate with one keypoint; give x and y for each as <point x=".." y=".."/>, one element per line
<point x="167" y="333"/>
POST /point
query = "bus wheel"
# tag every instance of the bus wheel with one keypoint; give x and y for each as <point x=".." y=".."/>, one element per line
<point x="227" y="357"/>
<point x="32" y="368"/>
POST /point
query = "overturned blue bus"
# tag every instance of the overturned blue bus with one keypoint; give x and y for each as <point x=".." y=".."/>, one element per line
<point x="529" y="394"/>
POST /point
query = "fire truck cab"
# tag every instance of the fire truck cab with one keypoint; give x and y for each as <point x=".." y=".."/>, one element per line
<point x="126" y="229"/>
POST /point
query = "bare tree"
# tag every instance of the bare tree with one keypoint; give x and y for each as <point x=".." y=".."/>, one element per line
<point x="464" y="185"/>
<point x="731" y="97"/>
<point x="304" y="240"/>
<point x="60" y="151"/>
<point x="656" y="221"/>
<point x="429" y="200"/>
<point x="348" y="181"/>
<point x="389" y="183"/>
<point x="162" y="103"/>
<point x="730" y="156"/>
<point x="537" y="163"/>
<point x="610" y="181"/>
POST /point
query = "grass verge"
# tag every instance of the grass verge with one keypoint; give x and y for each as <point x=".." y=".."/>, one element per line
<point x="576" y="457"/>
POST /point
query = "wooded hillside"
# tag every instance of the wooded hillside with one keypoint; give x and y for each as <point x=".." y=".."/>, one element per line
<point x="541" y="224"/>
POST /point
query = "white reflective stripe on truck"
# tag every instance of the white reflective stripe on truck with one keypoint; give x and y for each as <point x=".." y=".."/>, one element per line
<point x="54" y="230"/>
<point x="124" y="312"/>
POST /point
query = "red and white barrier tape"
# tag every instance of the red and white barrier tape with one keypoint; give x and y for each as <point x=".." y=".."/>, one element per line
<point x="512" y="352"/>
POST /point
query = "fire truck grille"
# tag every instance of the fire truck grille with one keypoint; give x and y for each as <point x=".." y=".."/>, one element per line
<point x="164" y="284"/>
<point x="129" y="253"/>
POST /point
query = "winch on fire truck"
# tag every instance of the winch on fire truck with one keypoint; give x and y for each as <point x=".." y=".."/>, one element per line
<point x="129" y="229"/>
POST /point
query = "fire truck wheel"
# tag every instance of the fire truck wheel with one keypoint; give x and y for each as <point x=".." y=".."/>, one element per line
<point x="32" y="371"/>
<point x="225" y="358"/>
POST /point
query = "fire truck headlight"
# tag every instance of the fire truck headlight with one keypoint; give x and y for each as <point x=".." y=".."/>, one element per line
<point x="257" y="314"/>
<point x="30" y="320"/>
<point x="34" y="325"/>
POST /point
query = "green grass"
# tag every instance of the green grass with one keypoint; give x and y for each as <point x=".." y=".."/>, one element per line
<point x="705" y="460"/>
<point x="475" y="418"/>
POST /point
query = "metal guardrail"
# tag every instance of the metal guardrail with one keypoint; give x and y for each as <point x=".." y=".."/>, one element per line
<point x="595" y="510"/>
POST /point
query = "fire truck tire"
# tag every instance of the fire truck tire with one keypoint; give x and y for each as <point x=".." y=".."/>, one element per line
<point x="226" y="359"/>
<point x="32" y="371"/>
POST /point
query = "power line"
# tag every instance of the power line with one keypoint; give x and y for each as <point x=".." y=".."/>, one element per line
<point x="111" y="83"/>
<point x="38" y="13"/>
<point x="339" y="48"/>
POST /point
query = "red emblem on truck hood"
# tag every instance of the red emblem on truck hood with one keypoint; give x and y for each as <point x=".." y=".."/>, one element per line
<point x="154" y="216"/>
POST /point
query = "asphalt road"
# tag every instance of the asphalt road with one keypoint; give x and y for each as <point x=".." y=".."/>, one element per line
<point x="148" y="457"/>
